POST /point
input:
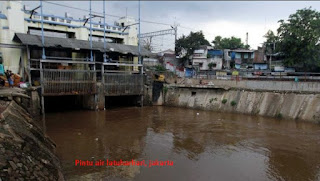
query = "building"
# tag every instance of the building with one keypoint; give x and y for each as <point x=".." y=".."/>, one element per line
<point x="215" y="59"/>
<point x="15" y="18"/>
<point x="205" y="57"/>
<point x="167" y="57"/>
<point x="260" y="59"/>
<point x="65" y="62"/>
<point x="241" y="58"/>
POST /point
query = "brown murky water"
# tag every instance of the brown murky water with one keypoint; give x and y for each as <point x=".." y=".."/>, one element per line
<point x="208" y="146"/>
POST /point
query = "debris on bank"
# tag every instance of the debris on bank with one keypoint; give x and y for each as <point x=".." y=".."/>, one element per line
<point x="25" y="152"/>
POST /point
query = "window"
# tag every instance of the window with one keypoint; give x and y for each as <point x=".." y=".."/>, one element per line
<point x="53" y="19"/>
<point x="114" y="28"/>
<point x="36" y="17"/>
<point x="46" y="18"/>
<point x="68" y="21"/>
<point x="200" y="65"/>
<point x="95" y="26"/>
<point x="119" y="29"/>
<point x="101" y="26"/>
<point x="61" y="20"/>
<point x="108" y="27"/>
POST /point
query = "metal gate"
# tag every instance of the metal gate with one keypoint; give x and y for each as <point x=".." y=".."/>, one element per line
<point x="66" y="81"/>
<point x="123" y="84"/>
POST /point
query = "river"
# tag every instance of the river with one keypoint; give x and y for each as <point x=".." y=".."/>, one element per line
<point x="202" y="145"/>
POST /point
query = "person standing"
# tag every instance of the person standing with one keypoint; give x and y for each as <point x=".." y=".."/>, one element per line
<point x="10" y="78"/>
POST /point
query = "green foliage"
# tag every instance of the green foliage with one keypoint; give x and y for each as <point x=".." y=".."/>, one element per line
<point x="299" y="39"/>
<point x="165" y="89"/>
<point x="210" y="65"/>
<point x="271" y="43"/>
<point x="279" y="116"/>
<point x="160" y="68"/>
<point x="228" y="43"/>
<point x="233" y="103"/>
<point x="190" y="43"/>
<point x="224" y="101"/>
<point x="213" y="99"/>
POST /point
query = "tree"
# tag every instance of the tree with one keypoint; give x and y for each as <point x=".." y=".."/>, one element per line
<point x="190" y="43"/>
<point x="228" y="43"/>
<point x="271" y="43"/>
<point x="299" y="39"/>
<point x="147" y="44"/>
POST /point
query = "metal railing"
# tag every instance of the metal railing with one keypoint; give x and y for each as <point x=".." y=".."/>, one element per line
<point x="68" y="82"/>
<point x="123" y="84"/>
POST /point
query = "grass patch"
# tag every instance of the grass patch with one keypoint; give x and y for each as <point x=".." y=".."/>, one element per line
<point x="233" y="103"/>
<point x="224" y="101"/>
<point x="165" y="89"/>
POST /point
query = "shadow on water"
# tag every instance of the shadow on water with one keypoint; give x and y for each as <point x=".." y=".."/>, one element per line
<point x="62" y="103"/>
<point x="112" y="102"/>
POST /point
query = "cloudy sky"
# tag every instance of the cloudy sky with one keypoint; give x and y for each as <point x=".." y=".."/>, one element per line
<point x="224" y="18"/>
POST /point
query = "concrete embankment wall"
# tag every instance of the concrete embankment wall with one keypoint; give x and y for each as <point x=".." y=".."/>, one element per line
<point x="289" y="86"/>
<point x="301" y="106"/>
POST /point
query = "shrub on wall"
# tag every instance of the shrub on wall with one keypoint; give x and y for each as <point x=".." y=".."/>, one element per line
<point x="224" y="101"/>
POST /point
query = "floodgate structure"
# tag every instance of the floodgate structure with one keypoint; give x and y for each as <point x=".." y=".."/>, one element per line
<point x="87" y="60"/>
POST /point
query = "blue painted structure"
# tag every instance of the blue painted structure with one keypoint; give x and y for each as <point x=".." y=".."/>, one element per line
<point x="2" y="16"/>
<point x="213" y="53"/>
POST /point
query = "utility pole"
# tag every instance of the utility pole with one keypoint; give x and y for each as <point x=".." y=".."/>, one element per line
<point x="139" y="42"/>
<point x="104" y="32"/>
<point x="42" y="33"/>
<point x="90" y="15"/>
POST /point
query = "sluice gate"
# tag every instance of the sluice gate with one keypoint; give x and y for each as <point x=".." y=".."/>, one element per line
<point x="89" y="81"/>
<point x="68" y="81"/>
<point x="123" y="84"/>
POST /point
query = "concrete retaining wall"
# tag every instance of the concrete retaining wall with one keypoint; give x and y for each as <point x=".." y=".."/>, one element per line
<point x="287" y="105"/>
<point x="262" y="85"/>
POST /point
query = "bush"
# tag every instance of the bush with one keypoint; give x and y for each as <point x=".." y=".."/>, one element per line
<point x="160" y="68"/>
<point x="233" y="103"/>
<point x="224" y="101"/>
<point x="279" y="116"/>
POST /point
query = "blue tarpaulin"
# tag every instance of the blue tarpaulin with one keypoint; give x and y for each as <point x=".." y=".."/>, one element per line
<point x="215" y="52"/>
<point x="233" y="55"/>
<point x="1" y="69"/>
<point x="188" y="72"/>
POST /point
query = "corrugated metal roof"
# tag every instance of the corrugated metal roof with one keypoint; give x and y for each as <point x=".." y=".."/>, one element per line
<point x="35" y="40"/>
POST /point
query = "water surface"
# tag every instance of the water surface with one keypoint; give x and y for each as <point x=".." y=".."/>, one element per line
<point x="202" y="145"/>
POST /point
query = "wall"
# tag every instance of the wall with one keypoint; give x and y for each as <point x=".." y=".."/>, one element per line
<point x="289" y="86"/>
<point x="287" y="105"/>
<point x="271" y="85"/>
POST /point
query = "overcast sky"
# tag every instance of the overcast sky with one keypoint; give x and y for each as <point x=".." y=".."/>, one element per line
<point x="224" y="18"/>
